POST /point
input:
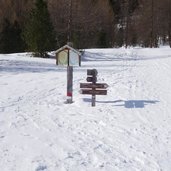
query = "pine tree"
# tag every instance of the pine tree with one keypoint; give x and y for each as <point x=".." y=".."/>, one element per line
<point x="5" y="37"/>
<point x="39" y="33"/>
<point x="10" y="38"/>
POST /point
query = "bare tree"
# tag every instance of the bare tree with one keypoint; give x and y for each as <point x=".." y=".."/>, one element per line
<point x="92" y="21"/>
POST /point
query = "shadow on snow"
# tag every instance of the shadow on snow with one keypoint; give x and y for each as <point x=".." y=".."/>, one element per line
<point x="93" y="56"/>
<point x="15" y="66"/>
<point x="136" y="103"/>
<point x="127" y="103"/>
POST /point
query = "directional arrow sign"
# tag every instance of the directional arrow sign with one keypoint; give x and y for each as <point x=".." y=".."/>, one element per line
<point x="90" y="85"/>
<point x="93" y="92"/>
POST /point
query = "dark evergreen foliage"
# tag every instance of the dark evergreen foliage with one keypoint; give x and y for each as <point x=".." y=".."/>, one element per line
<point x="10" y="38"/>
<point x="116" y="6"/>
<point x="102" y="41"/>
<point x="39" y="33"/>
<point x="124" y="23"/>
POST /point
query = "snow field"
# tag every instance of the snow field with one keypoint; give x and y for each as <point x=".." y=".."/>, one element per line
<point x="128" y="130"/>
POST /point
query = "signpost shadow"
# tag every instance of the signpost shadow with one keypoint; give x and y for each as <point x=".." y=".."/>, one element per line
<point x="130" y="103"/>
<point x="87" y="100"/>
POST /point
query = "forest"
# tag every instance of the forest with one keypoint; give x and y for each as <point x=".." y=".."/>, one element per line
<point x="90" y="23"/>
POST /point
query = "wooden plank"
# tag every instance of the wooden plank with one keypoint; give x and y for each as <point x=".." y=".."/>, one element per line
<point x="90" y="85"/>
<point x="93" y="92"/>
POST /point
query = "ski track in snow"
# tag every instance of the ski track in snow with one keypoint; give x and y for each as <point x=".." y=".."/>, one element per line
<point x="128" y="130"/>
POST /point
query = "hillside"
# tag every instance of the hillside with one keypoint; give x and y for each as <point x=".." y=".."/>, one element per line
<point x="128" y="130"/>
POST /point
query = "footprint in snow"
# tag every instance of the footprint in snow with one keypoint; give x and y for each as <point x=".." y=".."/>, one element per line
<point x="41" y="168"/>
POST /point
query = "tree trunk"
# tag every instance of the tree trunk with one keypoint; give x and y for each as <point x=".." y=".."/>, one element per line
<point x="152" y="25"/>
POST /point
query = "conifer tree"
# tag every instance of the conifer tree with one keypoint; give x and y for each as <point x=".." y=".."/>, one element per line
<point x="39" y="33"/>
<point x="5" y="37"/>
<point x="10" y="38"/>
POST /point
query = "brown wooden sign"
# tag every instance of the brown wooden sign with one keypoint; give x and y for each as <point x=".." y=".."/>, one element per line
<point x="96" y="85"/>
<point x="93" y="92"/>
<point x="93" y="88"/>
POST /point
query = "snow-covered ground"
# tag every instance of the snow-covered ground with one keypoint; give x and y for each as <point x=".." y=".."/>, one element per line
<point x="128" y="130"/>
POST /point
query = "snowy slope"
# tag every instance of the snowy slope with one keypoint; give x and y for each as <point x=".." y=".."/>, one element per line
<point x="128" y="130"/>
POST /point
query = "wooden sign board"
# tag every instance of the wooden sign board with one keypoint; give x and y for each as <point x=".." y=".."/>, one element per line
<point x="93" y="88"/>
<point x="68" y="56"/>
<point x="90" y="85"/>
<point x="63" y="58"/>
<point x="93" y="92"/>
<point x="74" y="58"/>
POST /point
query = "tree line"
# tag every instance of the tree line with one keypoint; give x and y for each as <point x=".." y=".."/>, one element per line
<point x="39" y="25"/>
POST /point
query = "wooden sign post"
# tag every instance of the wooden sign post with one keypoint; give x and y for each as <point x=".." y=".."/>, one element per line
<point x="92" y="77"/>
<point x="93" y="88"/>
<point x="68" y="56"/>
<point x="69" y="83"/>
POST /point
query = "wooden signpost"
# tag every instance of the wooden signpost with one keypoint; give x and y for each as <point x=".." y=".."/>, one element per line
<point x="93" y="88"/>
<point x="96" y="85"/>
<point x="69" y="83"/>
<point x="69" y="57"/>
<point x="95" y="92"/>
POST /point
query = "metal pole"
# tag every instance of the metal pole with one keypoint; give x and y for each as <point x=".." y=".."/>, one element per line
<point x="93" y="103"/>
<point x="93" y="100"/>
<point x="69" y="84"/>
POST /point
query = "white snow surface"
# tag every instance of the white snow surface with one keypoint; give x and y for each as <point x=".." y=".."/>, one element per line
<point x="129" y="129"/>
